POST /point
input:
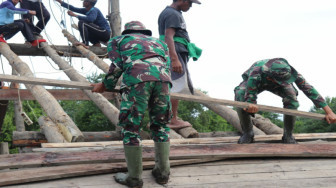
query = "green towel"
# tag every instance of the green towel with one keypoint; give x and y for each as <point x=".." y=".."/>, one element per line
<point x="194" y="51"/>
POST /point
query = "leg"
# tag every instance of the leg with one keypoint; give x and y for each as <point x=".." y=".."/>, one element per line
<point x="160" y="114"/>
<point x="289" y="99"/>
<point x="9" y="30"/>
<point x="133" y="106"/>
<point x="42" y="15"/>
<point x="83" y="32"/>
<point x="97" y="34"/>
<point x="244" y="117"/>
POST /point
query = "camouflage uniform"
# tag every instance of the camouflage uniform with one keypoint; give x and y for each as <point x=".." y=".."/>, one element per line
<point x="258" y="78"/>
<point x="144" y="65"/>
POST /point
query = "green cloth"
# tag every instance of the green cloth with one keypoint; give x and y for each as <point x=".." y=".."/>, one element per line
<point x="194" y="51"/>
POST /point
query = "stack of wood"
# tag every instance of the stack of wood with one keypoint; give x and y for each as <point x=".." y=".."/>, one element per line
<point x="62" y="160"/>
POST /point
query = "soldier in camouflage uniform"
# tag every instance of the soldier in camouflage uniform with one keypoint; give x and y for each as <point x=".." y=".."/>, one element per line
<point x="144" y="65"/>
<point x="276" y="76"/>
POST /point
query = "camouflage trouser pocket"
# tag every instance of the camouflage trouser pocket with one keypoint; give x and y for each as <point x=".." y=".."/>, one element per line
<point x="125" y="112"/>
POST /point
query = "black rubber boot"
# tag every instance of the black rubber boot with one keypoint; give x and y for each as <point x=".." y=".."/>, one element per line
<point x="289" y="122"/>
<point x="247" y="127"/>
<point x="161" y="170"/>
<point x="133" y="178"/>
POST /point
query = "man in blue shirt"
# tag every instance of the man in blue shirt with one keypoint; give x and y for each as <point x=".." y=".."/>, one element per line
<point x="93" y="27"/>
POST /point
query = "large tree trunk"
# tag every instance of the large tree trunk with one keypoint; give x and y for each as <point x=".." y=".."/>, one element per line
<point x="114" y="17"/>
<point x="17" y="108"/>
<point x="110" y="111"/>
<point x="228" y="114"/>
<point x="45" y="99"/>
<point x="266" y="125"/>
<point x="50" y="130"/>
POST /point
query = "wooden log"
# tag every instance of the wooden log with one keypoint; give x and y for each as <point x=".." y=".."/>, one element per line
<point x="173" y="135"/>
<point x="50" y="130"/>
<point x="45" y="99"/>
<point x="228" y="114"/>
<point x="4" y="150"/>
<point x="87" y="53"/>
<point x="19" y="122"/>
<point x="218" y="134"/>
<point x="59" y="94"/>
<point x="23" y="50"/>
<point x="266" y="125"/>
<point x="114" y="17"/>
<point x="110" y="111"/>
<point x="15" y="177"/>
<point x="188" y="132"/>
<point x="177" y="152"/>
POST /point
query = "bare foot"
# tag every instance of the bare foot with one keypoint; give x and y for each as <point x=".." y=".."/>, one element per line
<point x="81" y="44"/>
<point x="178" y="124"/>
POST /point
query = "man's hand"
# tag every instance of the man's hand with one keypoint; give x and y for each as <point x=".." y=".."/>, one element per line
<point x="70" y="13"/>
<point x="32" y="12"/>
<point x="177" y="66"/>
<point x="98" y="88"/>
<point x="330" y="118"/>
<point x="252" y="108"/>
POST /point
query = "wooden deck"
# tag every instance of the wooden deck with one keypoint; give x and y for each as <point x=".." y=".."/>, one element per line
<point x="273" y="172"/>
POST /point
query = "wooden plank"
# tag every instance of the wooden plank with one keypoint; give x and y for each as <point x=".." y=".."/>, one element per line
<point x="176" y="152"/>
<point x="258" y="138"/>
<point x="59" y="94"/>
<point x="200" y="99"/>
<point x="15" y="177"/>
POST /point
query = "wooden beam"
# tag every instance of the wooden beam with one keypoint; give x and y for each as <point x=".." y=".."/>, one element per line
<point x="23" y="50"/>
<point x="177" y="152"/>
<point x="59" y="94"/>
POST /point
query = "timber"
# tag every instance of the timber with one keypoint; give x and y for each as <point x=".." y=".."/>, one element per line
<point x="4" y="150"/>
<point x="59" y="94"/>
<point x="177" y="152"/>
<point x="110" y="111"/>
<point x="45" y="99"/>
<point x="114" y="17"/>
<point x="19" y="122"/>
<point x="188" y="132"/>
<point x="51" y="130"/>
<point x="200" y="99"/>
<point x="87" y="53"/>
<point x="66" y="51"/>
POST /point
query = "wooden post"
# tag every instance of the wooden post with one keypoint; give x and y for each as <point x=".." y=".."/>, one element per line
<point x="110" y="111"/>
<point x="17" y="108"/>
<point x="114" y="17"/>
<point x="87" y="53"/>
<point x="51" y="131"/>
<point x="4" y="150"/>
<point x="45" y="99"/>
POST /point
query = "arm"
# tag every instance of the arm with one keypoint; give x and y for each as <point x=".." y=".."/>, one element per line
<point x="90" y="17"/>
<point x="72" y="8"/>
<point x="11" y="8"/>
<point x="330" y="116"/>
<point x="169" y="39"/>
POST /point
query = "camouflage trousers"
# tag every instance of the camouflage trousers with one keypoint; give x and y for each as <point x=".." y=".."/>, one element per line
<point x="287" y="93"/>
<point x="136" y="99"/>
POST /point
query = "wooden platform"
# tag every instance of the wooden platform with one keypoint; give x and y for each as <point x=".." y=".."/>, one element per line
<point x="279" y="172"/>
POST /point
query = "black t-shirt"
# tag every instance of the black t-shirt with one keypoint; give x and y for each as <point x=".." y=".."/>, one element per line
<point x="171" y="18"/>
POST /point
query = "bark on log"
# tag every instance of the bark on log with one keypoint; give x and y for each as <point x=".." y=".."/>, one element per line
<point x="266" y="125"/>
<point x="174" y="135"/>
<point x="218" y="134"/>
<point x="4" y="150"/>
<point x="19" y="123"/>
<point x="188" y="132"/>
<point x="23" y="50"/>
<point x="87" y="53"/>
<point x="50" y="130"/>
<point x="45" y="99"/>
<point x="114" y="17"/>
<point x="228" y="114"/>
<point x="110" y="111"/>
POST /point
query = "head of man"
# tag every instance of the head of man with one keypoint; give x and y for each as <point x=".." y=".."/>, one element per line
<point x="15" y="2"/>
<point x="136" y="27"/>
<point x="184" y="5"/>
<point x="89" y="3"/>
<point x="281" y="72"/>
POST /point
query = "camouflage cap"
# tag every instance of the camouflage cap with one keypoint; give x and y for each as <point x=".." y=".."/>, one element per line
<point x="282" y="72"/>
<point x="136" y="27"/>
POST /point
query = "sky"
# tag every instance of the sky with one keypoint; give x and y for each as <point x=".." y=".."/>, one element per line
<point x="232" y="34"/>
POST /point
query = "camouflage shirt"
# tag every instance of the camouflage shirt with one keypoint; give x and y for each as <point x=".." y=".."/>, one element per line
<point x="258" y="81"/>
<point x="138" y="58"/>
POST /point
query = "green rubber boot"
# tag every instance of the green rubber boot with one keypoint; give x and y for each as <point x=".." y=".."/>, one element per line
<point x="289" y="122"/>
<point x="133" y="155"/>
<point x="161" y="170"/>
<point x="247" y="127"/>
